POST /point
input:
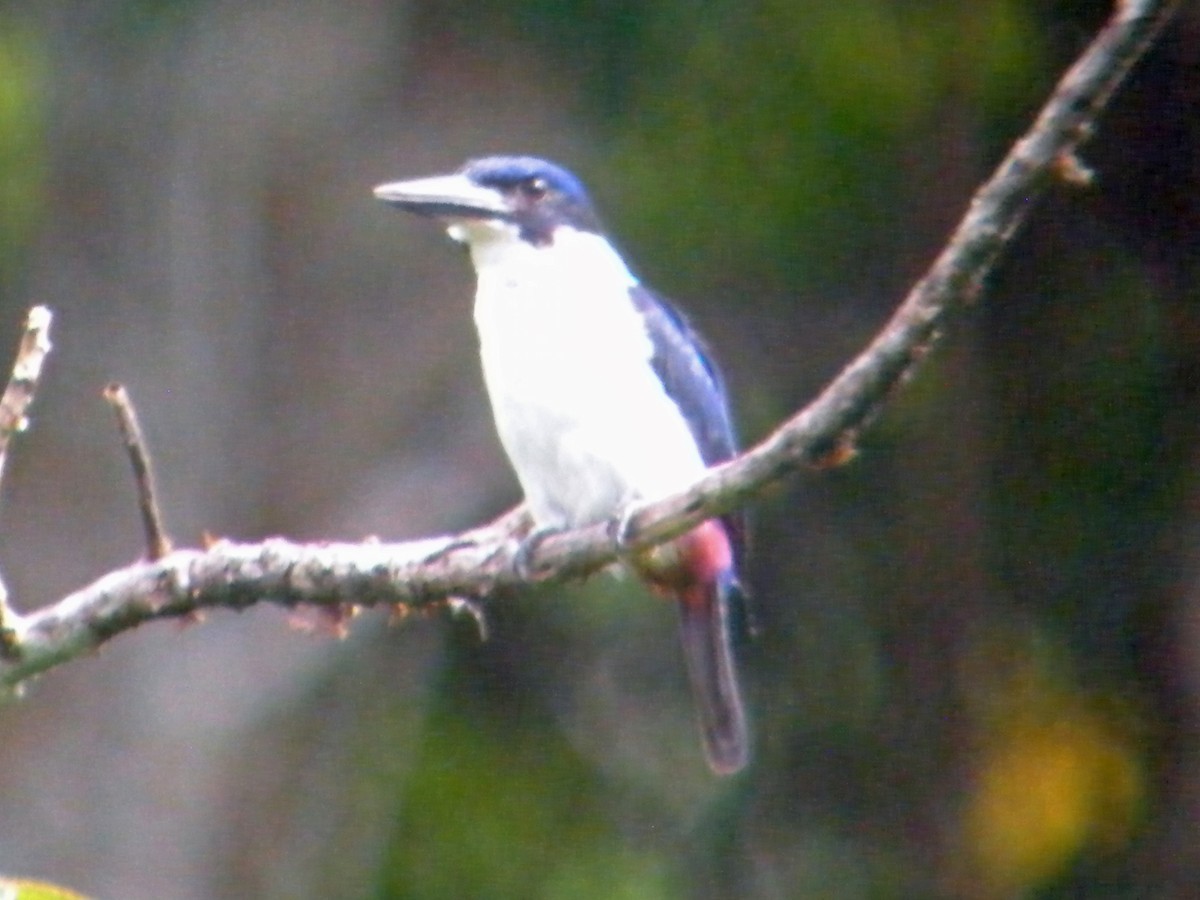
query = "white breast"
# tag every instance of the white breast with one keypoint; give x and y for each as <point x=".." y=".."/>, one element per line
<point x="580" y="412"/>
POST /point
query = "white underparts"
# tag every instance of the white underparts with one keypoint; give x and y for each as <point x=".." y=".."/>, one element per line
<point x="584" y="419"/>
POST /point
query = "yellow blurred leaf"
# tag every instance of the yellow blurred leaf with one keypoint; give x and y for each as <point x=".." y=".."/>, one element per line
<point x="1057" y="775"/>
<point x="22" y="889"/>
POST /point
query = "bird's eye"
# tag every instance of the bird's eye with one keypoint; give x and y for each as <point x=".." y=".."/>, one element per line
<point x="535" y="188"/>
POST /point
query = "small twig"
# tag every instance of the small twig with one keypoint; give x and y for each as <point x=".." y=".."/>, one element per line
<point x="14" y="404"/>
<point x="12" y="631"/>
<point x="22" y="385"/>
<point x="158" y="544"/>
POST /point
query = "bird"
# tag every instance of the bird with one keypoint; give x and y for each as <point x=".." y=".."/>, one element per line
<point x="604" y="397"/>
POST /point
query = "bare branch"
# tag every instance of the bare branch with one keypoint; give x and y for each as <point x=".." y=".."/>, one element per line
<point x="480" y="563"/>
<point x="14" y="405"/>
<point x="158" y="544"/>
<point x="22" y="385"/>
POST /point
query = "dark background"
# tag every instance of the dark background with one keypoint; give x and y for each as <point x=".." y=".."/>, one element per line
<point x="977" y="670"/>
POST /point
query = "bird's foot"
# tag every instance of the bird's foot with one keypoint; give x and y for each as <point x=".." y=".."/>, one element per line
<point x="621" y="529"/>
<point x="523" y="558"/>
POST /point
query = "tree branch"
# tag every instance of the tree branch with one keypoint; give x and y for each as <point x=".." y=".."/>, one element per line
<point x="158" y="544"/>
<point x="14" y="404"/>
<point x="22" y="385"/>
<point x="480" y="563"/>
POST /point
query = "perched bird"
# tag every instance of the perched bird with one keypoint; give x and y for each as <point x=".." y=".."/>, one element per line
<point x="603" y="395"/>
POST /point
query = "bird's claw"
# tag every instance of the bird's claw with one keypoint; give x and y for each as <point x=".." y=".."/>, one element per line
<point x="621" y="528"/>
<point x="523" y="558"/>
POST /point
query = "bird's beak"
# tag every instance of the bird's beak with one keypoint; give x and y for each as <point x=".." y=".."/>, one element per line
<point x="446" y="197"/>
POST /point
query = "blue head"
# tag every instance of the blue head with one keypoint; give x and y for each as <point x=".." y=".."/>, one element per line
<point x="532" y="195"/>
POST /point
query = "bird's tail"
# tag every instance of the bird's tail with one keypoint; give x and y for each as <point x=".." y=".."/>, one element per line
<point x="708" y="651"/>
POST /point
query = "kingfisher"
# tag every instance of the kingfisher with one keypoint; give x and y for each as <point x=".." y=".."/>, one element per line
<point x="604" y="397"/>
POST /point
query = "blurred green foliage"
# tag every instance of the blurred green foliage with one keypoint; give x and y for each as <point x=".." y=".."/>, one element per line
<point x="1093" y="485"/>
<point x="494" y="809"/>
<point x="23" y="159"/>
<point x="784" y="121"/>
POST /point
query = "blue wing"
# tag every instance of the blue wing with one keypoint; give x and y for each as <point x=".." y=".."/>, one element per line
<point x="692" y="380"/>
